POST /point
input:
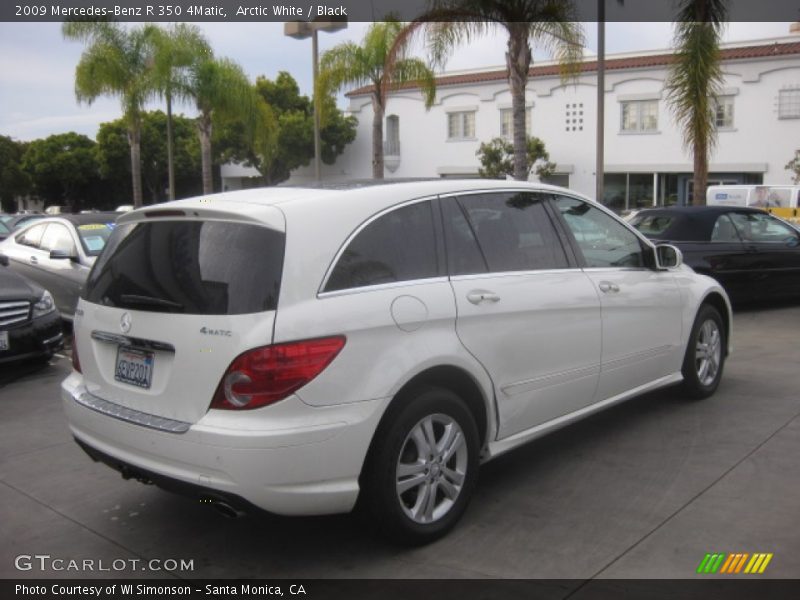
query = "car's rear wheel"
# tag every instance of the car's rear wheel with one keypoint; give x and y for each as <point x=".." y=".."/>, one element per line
<point x="705" y="354"/>
<point x="423" y="467"/>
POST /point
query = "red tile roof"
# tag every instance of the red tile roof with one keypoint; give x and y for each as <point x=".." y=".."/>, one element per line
<point x="612" y="64"/>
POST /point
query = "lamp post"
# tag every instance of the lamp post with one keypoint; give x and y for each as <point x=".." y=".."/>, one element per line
<point x="300" y="30"/>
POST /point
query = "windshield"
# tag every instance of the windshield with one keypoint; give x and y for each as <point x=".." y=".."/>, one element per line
<point x="191" y="267"/>
<point x="94" y="236"/>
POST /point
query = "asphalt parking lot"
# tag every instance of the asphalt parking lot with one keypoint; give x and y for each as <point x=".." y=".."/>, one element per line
<point x="643" y="490"/>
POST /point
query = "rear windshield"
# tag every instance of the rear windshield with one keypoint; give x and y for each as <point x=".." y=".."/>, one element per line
<point x="652" y="225"/>
<point x="191" y="267"/>
<point x="94" y="236"/>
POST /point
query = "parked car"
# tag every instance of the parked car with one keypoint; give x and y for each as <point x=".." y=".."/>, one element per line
<point x="4" y="231"/>
<point x="292" y="349"/>
<point x="30" y="327"/>
<point x="18" y="221"/>
<point x="754" y="255"/>
<point x="57" y="253"/>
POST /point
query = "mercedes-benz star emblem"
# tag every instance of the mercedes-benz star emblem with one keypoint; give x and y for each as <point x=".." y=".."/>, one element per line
<point x="125" y="322"/>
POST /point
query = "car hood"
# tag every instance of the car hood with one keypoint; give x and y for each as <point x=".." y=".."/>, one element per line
<point x="15" y="287"/>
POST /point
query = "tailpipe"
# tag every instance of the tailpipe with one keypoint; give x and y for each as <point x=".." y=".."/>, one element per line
<point x="226" y="510"/>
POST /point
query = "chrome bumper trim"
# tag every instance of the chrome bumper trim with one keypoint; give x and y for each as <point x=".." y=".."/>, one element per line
<point x="129" y="415"/>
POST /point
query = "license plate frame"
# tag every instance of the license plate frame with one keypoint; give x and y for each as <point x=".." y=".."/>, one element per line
<point x="5" y="342"/>
<point x="136" y="368"/>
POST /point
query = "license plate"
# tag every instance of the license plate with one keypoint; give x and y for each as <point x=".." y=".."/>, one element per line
<point x="134" y="367"/>
<point x="4" y="345"/>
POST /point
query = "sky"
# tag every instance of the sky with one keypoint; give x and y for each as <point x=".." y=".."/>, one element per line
<point x="37" y="65"/>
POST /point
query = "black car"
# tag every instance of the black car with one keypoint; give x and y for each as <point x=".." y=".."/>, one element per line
<point x="752" y="254"/>
<point x="30" y="326"/>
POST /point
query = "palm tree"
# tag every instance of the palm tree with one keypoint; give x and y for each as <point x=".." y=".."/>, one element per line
<point x="117" y="62"/>
<point x="549" y="24"/>
<point x="174" y="50"/>
<point x="220" y="87"/>
<point x="351" y="64"/>
<point x="695" y="79"/>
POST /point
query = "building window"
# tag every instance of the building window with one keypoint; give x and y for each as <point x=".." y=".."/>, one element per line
<point x="391" y="145"/>
<point x="461" y="125"/>
<point x="789" y="104"/>
<point x="574" y="116"/>
<point x="640" y="116"/>
<point x="723" y="112"/>
<point x="507" y="122"/>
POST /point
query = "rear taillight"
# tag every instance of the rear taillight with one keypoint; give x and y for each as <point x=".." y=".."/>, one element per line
<point x="76" y="362"/>
<point x="265" y="375"/>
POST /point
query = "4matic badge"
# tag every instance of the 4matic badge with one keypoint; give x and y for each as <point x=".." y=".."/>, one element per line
<point x="222" y="332"/>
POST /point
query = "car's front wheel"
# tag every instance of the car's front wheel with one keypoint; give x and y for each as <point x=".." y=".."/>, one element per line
<point x="705" y="354"/>
<point x="423" y="467"/>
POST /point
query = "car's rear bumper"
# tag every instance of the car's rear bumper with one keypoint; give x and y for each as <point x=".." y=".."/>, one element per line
<point x="40" y="337"/>
<point x="300" y="460"/>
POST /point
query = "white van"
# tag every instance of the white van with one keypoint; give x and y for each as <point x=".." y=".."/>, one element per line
<point x="780" y="200"/>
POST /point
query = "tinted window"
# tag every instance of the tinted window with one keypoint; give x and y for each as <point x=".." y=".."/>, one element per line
<point x="3" y="229"/>
<point x="603" y="240"/>
<point x="57" y="237"/>
<point x="398" y="246"/>
<point x="31" y="237"/>
<point x="464" y="256"/>
<point x="758" y="227"/>
<point x="724" y="230"/>
<point x="193" y="267"/>
<point x="514" y="231"/>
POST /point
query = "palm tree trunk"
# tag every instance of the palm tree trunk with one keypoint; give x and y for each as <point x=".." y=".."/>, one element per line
<point x="518" y="61"/>
<point x="700" y="172"/>
<point x="134" y="139"/>
<point x="170" y="149"/>
<point x="377" y="137"/>
<point x="204" y="129"/>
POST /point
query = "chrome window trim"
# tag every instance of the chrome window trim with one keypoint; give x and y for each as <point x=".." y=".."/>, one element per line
<point x="129" y="415"/>
<point x="526" y="273"/>
<point x="383" y="286"/>
<point x="329" y="271"/>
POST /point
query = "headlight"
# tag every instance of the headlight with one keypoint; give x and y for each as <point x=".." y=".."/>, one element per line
<point x="44" y="306"/>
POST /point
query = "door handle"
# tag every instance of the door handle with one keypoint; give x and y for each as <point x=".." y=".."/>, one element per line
<point x="607" y="286"/>
<point x="33" y="260"/>
<point x="482" y="296"/>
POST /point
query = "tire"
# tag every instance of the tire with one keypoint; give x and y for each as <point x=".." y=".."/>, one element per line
<point x="705" y="354"/>
<point x="446" y="477"/>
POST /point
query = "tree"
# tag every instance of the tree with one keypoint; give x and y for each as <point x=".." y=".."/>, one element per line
<point x="794" y="166"/>
<point x="13" y="179"/>
<point x="549" y="24"/>
<point x="174" y="50"/>
<point x="497" y="158"/>
<point x="115" y="170"/>
<point x="695" y="79"/>
<point x="350" y="64"/>
<point x="117" y="62"/>
<point x="221" y="90"/>
<point x="290" y="144"/>
<point x="62" y="169"/>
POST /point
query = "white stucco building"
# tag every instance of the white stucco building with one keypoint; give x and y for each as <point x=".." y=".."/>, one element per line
<point x="758" y="119"/>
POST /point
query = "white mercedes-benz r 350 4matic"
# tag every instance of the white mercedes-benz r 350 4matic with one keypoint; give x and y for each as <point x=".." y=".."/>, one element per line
<point x="300" y="349"/>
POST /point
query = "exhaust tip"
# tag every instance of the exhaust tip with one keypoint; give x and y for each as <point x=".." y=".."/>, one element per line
<point x="226" y="510"/>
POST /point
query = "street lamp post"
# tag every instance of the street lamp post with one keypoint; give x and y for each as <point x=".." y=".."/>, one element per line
<point x="300" y="30"/>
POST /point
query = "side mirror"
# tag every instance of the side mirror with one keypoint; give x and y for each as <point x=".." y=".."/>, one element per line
<point x="62" y="255"/>
<point x="3" y="260"/>
<point x="668" y="257"/>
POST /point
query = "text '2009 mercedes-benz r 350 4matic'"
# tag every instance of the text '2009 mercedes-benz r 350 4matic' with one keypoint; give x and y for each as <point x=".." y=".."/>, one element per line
<point x="299" y="349"/>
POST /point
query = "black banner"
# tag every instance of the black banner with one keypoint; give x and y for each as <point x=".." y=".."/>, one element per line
<point x="352" y="10"/>
<point x="396" y="589"/>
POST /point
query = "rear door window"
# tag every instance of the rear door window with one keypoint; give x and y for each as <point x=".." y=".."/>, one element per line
<point x="514" y="231"/>
<point x="192" y="267"/>
<point x="397" y="246"/>
<point x="31" y="237"/>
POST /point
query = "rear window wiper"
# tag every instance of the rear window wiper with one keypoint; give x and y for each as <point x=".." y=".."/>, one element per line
<point x="150" y="301"/>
